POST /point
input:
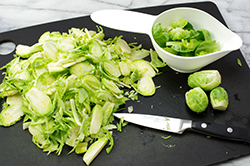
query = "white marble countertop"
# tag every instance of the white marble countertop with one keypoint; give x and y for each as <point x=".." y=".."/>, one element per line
<point x="15" y="14"/>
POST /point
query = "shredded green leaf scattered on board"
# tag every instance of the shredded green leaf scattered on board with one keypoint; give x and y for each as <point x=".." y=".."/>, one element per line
<point x="239" y="62"/>
<point x="67" y="86"/>
<point x="167" y="137"/>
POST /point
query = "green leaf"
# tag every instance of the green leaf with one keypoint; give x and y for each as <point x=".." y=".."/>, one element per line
<point x="180" y="23"/>
<point x="170" y="50"/>
<point x="160" y="37"/>
<point x="179" y="34"/>
<point x="167" y="137"/>
<point x="155" y="60"/>
<point x="239" y="62"/>
<point x="204" y="35"/>
<point x="207" y="47"/>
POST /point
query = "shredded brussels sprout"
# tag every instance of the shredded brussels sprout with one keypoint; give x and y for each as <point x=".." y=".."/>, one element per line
<point x="66" y="87"/>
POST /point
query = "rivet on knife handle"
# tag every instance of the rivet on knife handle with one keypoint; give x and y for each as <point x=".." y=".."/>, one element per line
<point x="222" y="131"/>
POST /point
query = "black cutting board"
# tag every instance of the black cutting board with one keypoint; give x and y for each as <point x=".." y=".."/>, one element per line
<point x="137" y="145"/>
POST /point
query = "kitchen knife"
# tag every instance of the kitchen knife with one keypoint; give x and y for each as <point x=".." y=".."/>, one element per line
<point x="178" y="126"/>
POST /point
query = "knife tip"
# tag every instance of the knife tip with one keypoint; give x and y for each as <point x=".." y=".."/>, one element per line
<point x="115" y="114"/>
<point x="118" y="115"/>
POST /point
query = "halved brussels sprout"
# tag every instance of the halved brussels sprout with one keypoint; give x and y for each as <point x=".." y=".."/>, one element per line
<point x="219" y="98"/>
<point x="26" y="51"/>
<point x="11" y="115"/>
<point x="196" y="100"/>
<point x="40" y="137"/>
<point x="82" y="68"/>
<point x="66" y="44"/>
<point x="146" y="86"/>
<point x="13" y="67"/>
<point x="6" y="90"/>
<point x="138" y="54"/>
<point x="94" y="150"/>
<point x="50" y="51"/>
<point x="44" y="37"/>
<point x="95" y="51"/>
<point x="81" y="148"/>
<point x="44" y="82"/>
<point x="36" y="132"/>
<point x="206" y="79"/>
<point x="109" y="84"/>
<point x="75" y="112"/>
<point x="122" y="46"/>
<point x="14" y="99"/>
<point x="107" y="110"/>
<point x="144" y="67"/>
<point x="37" y="60"/>
<point x="96" y="120"/>
<point x="72" y="136"/>
<point x="91" y="83"/>
<point x="110" y="69"/>
<point x="23" y="75"/>
<point x="124" y="68"/>
<point x="39" y="102"/>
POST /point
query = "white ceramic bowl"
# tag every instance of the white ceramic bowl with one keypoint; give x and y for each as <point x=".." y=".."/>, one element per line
<point x="143" y="23"/>
<point x="228" y="40"/>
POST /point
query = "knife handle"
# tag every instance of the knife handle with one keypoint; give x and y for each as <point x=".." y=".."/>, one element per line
<point x="222" y="131"/>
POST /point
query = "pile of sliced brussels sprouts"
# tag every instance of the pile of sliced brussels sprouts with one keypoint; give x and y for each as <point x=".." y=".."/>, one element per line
<point x="202" y="82"/>
<point x="67" y="86"/>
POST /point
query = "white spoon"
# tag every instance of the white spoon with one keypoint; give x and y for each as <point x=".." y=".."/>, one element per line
<point x="142" y="23"/>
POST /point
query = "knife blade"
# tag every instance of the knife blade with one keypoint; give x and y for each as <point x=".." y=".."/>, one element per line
<point x="176" y="125"/>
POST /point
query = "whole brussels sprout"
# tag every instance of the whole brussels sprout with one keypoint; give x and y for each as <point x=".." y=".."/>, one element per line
<point x="196" y="100"/>
<point x="219" y="98"/>
<point x="206" y="79"/>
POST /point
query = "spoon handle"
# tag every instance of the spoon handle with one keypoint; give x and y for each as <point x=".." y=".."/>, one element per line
<point x="130" y="21"/>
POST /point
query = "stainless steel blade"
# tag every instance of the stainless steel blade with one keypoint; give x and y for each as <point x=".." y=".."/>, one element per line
<point x="169" y="124"/>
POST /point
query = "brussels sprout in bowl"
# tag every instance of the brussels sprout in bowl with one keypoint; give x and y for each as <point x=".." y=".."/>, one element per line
<point x="143" y="23"/>
<point x="228" y="40"/>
